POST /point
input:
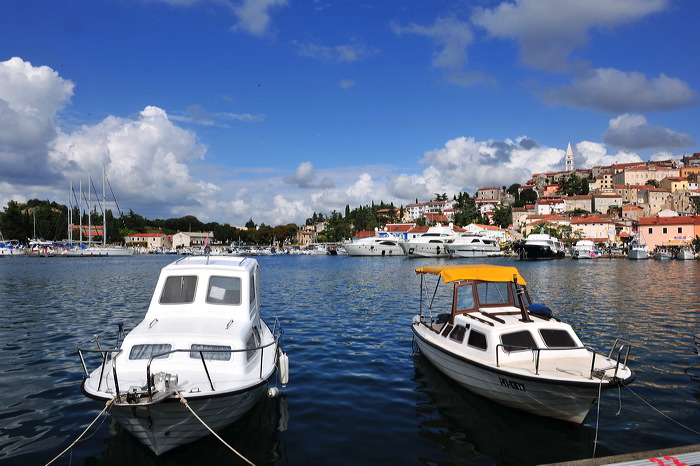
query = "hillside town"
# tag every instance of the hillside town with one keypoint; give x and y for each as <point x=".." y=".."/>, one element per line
<point x="658" y="198"/>
<point x="605" y="205"/>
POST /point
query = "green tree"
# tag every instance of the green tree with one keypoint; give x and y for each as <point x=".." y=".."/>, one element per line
<point x="502" y="215"/>
<point x="528" y="196"/>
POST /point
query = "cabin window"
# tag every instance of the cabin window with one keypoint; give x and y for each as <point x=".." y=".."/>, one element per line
<point x="494" y="293"/>
<point x="557" y="338"/>
<point x="211" y="352"/>
<point x="179" y="289"/>
<point x="147" y="351"/>
<point x="518" y="341"/>
<point x="252" y="288"/>
<point x="447" y="330"/>
<point x="224" y="290"/>
<point x="477" y="340"/>
<point x="457" y="333"/>
<point x="464" y="296"/>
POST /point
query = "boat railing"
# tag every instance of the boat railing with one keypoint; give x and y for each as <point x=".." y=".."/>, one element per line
<point x="622" y="347"/>
<point x="105" y="353"/>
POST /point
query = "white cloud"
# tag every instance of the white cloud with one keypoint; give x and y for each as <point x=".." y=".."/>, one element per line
<point x="305" y="177"/>
<point x="30" y="99"/>
<point x="253" y="15"/>
<point x="549" y="30"/>
<point x="633" y="132"/>
<point x="596" y="154"/>
<point x="351" y="52"/>
<point x="615" y="91"/>
<point x="452" y="37"/>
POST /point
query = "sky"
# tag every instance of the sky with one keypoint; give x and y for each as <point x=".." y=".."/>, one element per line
<point x="271" y="110"/>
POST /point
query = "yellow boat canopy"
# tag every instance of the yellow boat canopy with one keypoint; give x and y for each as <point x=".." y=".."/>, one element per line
<point x="483" y="272"/>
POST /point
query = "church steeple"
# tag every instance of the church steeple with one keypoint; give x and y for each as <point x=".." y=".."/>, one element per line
<point x="569" y="159"/>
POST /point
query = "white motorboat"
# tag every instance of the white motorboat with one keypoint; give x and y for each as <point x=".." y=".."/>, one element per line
<point x="584" y="249"/>
<point x="489" y="337"/>
<point x="201" y="340"/>
<point x="10" y="247"/>
<point x="380" y="245"/>
<point x="432" y="243"/>
<point x="638" y="249"/>
<point x="685" y="253"/>
<point x="662" y="254"/>
<point x="474" y="245"/>
<point x="540" y="246"/>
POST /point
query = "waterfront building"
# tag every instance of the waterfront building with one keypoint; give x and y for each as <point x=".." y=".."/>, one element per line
<point x="669" y="231"/>
<point x="152" y="241"/>
<point x="189" y="239"/>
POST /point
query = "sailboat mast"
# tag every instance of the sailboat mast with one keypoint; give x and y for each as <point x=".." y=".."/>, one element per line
<point x="104" y="209"/>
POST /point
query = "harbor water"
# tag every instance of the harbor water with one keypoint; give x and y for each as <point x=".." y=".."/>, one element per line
<point x="358" y="393"/>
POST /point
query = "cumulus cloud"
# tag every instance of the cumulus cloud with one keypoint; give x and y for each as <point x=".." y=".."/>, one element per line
<point x="452" y="38"/>
<point x="549" y="30"/>
<point x="148" y="156"/>
<point x="30" y="99"/>
<point x="253" y="15"/>
<point x="305" y="177"/>
<point x="633" y="132"/>
<point x="351" y="52"/>
<point x="615" y="91"/>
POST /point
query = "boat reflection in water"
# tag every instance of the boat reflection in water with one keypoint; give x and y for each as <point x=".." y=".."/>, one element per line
<point x="490" y="433"/>
<point x="256" y="436"/>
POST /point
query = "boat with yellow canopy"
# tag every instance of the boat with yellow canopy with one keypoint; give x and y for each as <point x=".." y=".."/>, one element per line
<point x="481" y="329"/>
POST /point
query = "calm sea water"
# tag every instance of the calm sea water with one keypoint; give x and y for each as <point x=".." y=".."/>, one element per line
<point x="358" y="394"/>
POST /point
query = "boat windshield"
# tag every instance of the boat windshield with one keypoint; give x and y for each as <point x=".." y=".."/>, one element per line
<point x="494" y="293"/>
<point x="179" y="289"/>
<point x="224" y="290"/>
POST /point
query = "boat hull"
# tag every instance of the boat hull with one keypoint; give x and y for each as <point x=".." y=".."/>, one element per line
<point x="538" y="252"/>
<point x="568" y="402"/>
<point x="372" y="250"/>
<point x="638" y="254"/>
<point x="457" y="251"/>
<point x="169" y="424"/>
<point x="425" y="249"/>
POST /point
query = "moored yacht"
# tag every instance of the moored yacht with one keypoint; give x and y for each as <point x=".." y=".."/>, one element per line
<point x="584" y="249"/>
<point x="382" y="244"/>
<point x="487" y="335"/>
<point x="201" y="345"/>
<point x="432" y="243"/>
<point x="540" y="246"/>
<point x="474" y="245"/>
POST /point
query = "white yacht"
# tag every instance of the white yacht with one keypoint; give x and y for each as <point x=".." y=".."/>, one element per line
<point x="432" y="243"/>
<point x="382" y="244"/>
<point x="584" y="249"/>
<point x="202" y="344"/>
<point x="474" y="245"/>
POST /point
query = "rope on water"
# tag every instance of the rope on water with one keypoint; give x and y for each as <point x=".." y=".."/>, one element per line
<point x="107" y="405"/>
<point x="664" y="415"/>
<point x="184" y="402"/>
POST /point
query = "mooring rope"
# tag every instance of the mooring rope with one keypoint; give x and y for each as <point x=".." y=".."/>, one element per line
<point x="184" y="402"/>
<point x="107" y="405"/>
<point x="664" y="415"/>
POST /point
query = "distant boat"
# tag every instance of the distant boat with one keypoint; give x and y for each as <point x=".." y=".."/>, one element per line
<point x="638" y="248"/>
<point x="584" y="249"/>
<point x="96" y="250"/>
<point x="662" y="254"/>
<point x="432" y="243"/>
<point x="382" y="244"/>
<point x="474" y="245"/>
<point x="540" y="246"/>
<point x="10" y="247"/>
<point x="685" y="253"/>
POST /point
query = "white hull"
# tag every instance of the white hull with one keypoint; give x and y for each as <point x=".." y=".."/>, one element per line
<point x="466" y="251"/>
<point x="425" y="249"/>
<point x="565" y="401"/>
<point x="169" y="424"/>
<point x="685" y="255"/>
<point x="373" y="250"/>
<point x="638" y="254"/>
<point x="98" y="252"/>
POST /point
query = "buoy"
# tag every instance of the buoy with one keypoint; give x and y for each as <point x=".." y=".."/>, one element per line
<point x="283" y="364"/>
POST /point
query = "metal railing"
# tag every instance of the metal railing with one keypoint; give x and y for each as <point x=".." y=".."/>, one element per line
<point x="276" y="331"/>
<point x="624" y="347"/>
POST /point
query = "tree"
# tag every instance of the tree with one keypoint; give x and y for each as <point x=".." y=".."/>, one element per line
<point x="250" y="224"/>
<point x="528" y="196"/>
<point x="502" y="215"/>
<point x="653" y="183"/>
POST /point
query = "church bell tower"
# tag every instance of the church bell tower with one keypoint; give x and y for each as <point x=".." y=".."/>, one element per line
<point x="569" y="159"/>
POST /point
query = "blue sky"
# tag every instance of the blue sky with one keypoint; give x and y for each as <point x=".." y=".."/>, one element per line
<point x="275" y="109"/>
